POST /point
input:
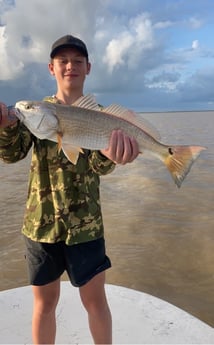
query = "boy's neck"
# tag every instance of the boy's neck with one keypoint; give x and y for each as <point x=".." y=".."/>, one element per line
<point x="68" y="97"/>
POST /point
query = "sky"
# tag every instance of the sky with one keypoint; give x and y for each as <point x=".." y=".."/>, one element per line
<point x="147" y="55"/>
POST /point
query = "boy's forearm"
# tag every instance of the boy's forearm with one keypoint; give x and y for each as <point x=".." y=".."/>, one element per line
<point x="101" y="164"/>
<point x="15" y="142"/>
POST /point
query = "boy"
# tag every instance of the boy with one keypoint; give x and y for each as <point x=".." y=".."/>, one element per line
<point x="63" y="228"/>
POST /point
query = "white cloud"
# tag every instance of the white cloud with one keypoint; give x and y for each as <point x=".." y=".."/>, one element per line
<point x="195" y="44"/>
<point x="39" y="23"/>
<point x="165" y="79"/>
<point x="117" y="49"/>
<point x="8" y="67"/>
<point x="163" y="25"/>
<point x="129" y="45"/>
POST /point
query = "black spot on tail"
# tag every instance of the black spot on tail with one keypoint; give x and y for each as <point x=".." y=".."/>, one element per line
<point x="170" y="151"/>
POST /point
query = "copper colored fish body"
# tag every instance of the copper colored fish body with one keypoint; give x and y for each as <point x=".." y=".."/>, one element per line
<point x="85" y="125"/>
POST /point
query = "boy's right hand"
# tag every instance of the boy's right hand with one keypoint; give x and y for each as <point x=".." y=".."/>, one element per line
<point x="6" y="117"/>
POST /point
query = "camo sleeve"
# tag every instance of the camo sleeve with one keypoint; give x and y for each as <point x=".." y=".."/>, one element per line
<point x="15" y="143"/>
<point x="100" y="164"/>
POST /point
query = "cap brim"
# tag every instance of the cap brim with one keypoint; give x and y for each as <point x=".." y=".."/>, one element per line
<point x="55" y="50"/>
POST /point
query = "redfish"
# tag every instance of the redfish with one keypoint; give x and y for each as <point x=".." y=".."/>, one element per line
<point x="85" y="125"/>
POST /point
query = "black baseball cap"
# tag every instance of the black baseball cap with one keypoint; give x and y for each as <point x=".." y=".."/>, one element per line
<point x="69" y="41"/>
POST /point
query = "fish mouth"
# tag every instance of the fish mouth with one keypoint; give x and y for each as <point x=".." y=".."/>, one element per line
<point x="16" y="111"/>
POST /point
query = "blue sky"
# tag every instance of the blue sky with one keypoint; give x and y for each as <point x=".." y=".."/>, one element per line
<point x="148" y="55"/>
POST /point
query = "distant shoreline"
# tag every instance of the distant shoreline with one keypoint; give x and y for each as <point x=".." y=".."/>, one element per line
<point x="174" y="111"/>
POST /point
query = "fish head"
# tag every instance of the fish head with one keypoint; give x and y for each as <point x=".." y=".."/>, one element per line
<point x="38" y="117"/>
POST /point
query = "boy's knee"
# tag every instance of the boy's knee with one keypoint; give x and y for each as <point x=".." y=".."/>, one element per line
<point x="45" y="306"/>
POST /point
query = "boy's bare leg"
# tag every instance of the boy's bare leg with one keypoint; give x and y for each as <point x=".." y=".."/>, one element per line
<point x="43" y="322"/>
<point x="94" y="300"/>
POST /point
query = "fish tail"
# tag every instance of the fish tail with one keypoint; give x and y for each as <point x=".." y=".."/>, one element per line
<point x="180" y="160"/>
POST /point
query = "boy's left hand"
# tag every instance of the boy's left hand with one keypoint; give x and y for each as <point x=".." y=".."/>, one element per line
<point x="122" y="148"/>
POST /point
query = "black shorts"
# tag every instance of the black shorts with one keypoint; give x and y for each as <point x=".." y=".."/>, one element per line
<point x="47" y="262"/>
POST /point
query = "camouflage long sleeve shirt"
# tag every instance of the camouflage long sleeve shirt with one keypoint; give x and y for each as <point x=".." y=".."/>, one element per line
<point x="63" y="202"/>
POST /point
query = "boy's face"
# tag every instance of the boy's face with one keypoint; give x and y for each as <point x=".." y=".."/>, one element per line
<point x="70" y="68"/>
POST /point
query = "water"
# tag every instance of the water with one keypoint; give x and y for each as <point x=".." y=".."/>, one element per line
<point x="160" y="238"/>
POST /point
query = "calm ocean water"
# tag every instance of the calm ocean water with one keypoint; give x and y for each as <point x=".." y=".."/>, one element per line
<point x="160" y="238"/>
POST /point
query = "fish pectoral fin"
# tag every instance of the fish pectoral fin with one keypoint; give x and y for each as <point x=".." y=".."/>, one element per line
<point x="59" y="140"/>
<point x="71" y="152"/>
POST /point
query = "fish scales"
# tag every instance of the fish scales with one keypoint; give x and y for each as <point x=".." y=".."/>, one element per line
<point x="92" y="129"/>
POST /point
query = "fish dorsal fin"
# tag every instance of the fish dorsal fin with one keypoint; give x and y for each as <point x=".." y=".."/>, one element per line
<point x="132" y="117"/>
<point x="87" y="102"/>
